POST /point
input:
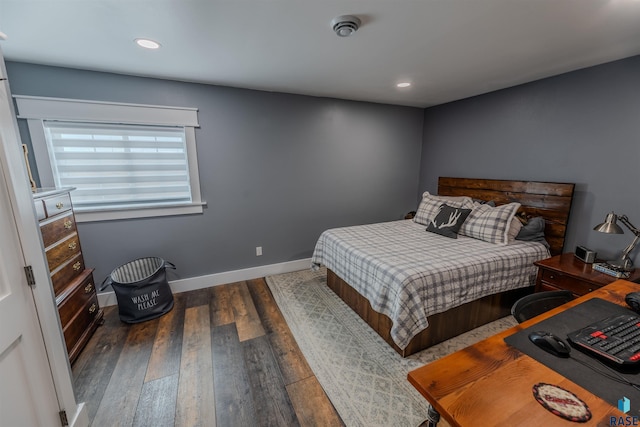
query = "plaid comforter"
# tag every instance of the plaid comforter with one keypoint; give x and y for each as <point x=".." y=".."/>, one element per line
<point x="409" y="274"/>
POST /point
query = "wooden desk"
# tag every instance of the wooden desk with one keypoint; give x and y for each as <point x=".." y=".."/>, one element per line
<point x="490" y="383"/>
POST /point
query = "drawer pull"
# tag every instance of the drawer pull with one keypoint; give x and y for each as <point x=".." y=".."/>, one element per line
<point x="73" y="245"/>
<point x="93" y="308"/>
<point x="59" y="205"/>
<point x="88" y="288"/>
<point x="77" y="266"/>
<point x="68" y="224"/>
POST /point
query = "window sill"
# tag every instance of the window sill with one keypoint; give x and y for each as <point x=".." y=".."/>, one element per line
<point x="109" y="215"/>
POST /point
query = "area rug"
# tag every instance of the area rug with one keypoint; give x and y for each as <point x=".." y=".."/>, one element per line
<point x="363" y="377"/>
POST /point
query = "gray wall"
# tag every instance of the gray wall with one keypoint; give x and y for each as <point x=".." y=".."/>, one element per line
<point x="275" y="169"/>
<point x="581" y="127"/>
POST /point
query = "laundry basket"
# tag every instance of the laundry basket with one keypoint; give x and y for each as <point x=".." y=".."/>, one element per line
<point x="141" y="289"/>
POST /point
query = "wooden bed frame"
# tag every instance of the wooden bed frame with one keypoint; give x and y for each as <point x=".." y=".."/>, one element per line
<point x="550" y="200"/>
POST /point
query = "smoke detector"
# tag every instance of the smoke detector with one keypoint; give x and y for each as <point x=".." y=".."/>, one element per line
<point x="345" y="25"/>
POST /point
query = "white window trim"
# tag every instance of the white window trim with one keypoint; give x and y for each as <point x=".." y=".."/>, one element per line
<point x="36" y="109"/>
<point x="76" y="110"/>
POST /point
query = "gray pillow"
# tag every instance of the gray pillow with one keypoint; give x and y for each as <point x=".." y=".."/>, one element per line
<point x="485" y="202"/>
<point x="448" y="221"/>
<point x="533" y="231"/>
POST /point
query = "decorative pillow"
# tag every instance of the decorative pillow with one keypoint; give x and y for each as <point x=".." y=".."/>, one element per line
<point x="482" y="202"/>
<point x="533" y="231"/>
<point x="430" y="205"/>
<point x="490" y="224"/>
<point x="448" y="221"/>
<point x="514" y="228"/>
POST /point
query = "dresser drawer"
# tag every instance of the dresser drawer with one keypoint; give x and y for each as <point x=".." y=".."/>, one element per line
<point x="79" y="324"/>
<point x="63" y="251"/>
<point x="40" y="212"/>
<point x="67" y="272"/>
<point x="57" y="204"/>
<point x="58" y="229"/>
<point x="83" y="291"/>
<point x="562" y="281"/>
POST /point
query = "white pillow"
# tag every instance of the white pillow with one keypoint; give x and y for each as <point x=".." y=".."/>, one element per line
<point x="514" y="228"/>
<point x="430" y="206"/>
<point x="490" y="224"/>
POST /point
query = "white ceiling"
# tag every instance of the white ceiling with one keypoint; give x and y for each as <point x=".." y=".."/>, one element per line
<point x="448" y="49"/>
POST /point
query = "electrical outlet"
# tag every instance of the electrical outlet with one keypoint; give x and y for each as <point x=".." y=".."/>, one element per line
<point x="258" y="250"/>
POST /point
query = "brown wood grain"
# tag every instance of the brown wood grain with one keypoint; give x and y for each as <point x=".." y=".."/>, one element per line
<point x="308" y="397"/>
<point x="442" y="326"/>
<point x="550" y="200"/>
<point x="248" y="375"/>
<point x="245" y="315"/>
<point x="80" y="314"/>
<point x="82" y="291"/>
<point x="62" y="251"/>
<point x="79" y="325"/>
<point x="535" y="187"/>
<point x="167" y="346"/>
<point x="292" y="363"/>
<point x="94" y="366"/>
<point x="58" y="228"/>
<point x="68" y="271"/>
<point x="73" y="285"/>
<point x="121" y="396"/>
<point x="565" y="271"/>
<point x="491" y="381"/>
<point x="270" y="399"/>
<point x="197" y="298"/>
<point x="221" y="308"/>
<point x="195" y="404"/>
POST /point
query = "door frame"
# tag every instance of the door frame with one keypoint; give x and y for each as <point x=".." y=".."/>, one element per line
<point x="21" y="198"/>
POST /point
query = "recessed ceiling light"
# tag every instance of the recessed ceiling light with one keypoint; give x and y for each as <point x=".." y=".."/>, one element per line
<point x="147" y="44"/>
<point x="403" y="84"/>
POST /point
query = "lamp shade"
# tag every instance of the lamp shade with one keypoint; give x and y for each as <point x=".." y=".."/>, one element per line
<point x="609" y="225"/>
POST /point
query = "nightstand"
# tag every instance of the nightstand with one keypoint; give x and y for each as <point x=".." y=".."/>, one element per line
<point x="565" y="271"/>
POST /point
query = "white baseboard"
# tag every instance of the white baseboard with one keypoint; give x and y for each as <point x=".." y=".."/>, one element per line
<point x="106" y="299"/>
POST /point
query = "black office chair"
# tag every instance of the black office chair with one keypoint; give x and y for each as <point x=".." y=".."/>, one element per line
<point x="530" y="306"/>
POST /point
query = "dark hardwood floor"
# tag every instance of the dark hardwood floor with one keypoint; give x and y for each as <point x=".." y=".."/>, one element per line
<point x="223" y="356"/>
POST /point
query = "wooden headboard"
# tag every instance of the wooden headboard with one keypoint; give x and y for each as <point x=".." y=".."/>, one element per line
<point x="550" y="200"/>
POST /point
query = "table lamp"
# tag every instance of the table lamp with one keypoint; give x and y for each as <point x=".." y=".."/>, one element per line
<point x="610" y="226"/>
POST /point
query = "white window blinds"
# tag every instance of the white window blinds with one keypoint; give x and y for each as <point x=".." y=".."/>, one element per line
<point x="119" y="166"/>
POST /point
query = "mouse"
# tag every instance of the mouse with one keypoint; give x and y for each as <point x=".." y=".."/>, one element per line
<point x="633" y="300"/>
<point x="550" y="343"/>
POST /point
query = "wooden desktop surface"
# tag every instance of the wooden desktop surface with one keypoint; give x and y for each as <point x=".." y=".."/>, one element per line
<point x="490" y="383"/>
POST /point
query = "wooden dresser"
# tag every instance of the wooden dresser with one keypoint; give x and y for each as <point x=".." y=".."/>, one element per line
<point x="73" y="285"/>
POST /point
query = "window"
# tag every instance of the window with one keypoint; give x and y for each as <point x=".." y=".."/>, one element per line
<point x="124" y="160"/>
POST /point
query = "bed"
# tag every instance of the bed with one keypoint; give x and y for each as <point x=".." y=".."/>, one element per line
<point x="417" y="288"/>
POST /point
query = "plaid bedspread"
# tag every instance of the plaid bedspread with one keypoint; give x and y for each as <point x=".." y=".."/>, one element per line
<point x="409" y="274"/>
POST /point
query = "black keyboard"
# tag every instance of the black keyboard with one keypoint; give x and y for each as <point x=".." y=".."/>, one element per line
<point x="616" y="338"/>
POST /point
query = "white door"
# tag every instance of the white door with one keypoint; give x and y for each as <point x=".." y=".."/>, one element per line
<point x="27" y="392"/>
